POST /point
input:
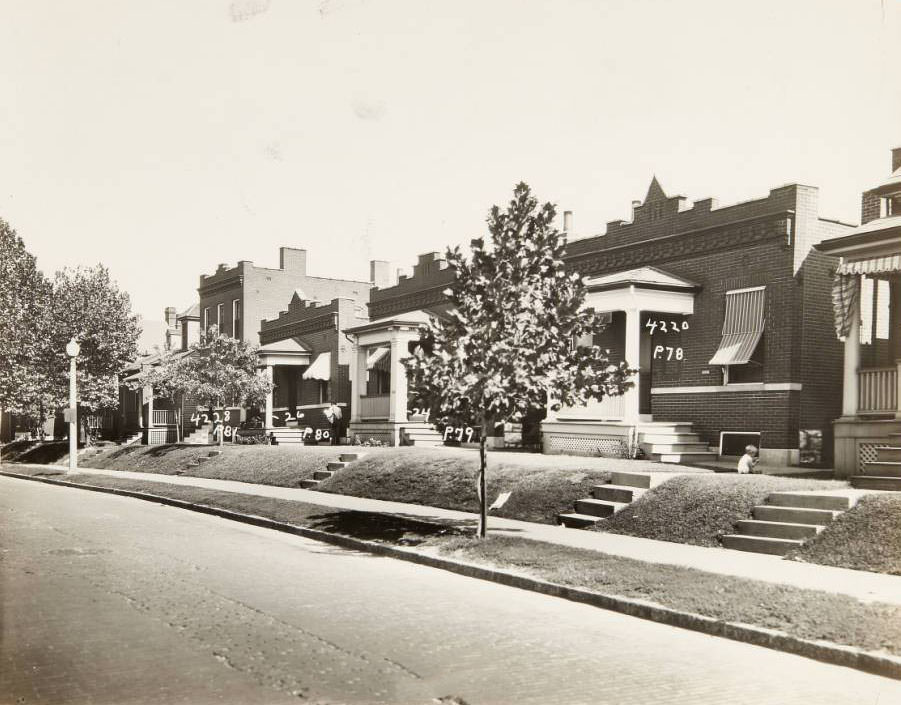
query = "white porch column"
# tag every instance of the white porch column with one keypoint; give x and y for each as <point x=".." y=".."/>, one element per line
<point x="397" y="402"/>
<point x="357" y="373"/>
<point x="147" y="393"/>
<point x="267" y="414"/>
<point x="852" y="363"/>
<point x="631" y="399"/>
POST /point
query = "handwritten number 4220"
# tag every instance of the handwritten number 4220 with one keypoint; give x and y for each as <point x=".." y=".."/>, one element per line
<point x="673" y="327"/>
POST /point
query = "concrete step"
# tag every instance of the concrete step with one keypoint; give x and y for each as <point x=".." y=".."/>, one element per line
<point x="883" y="468"/>
<point x="793" y="515"/>
<point x="336" y="465"/>
<point x="309" y="484"/>
<point x="577" y="521"/>
<point x="425" y="443"/>
<point x="686" y="458"/>
<point x="760" y="544"/>
<point x="667" y="448"/>
<point x="890" y="454"/>
<point x="631" y="479"/>
<point x="202" y="459"/>
<point x="777" y="529"/>
<point x="421" y="433"/>
<point x="874" y="482"/>
<point x="322" y="474"/>
<point x="598" y="507"/>
<point x="804" y="500"/>
<point x="669" y="438"/>
<point x="214" y="453"/>
<point x="665" y="428"/>
<point x="615" y="493"/>
<point x="350" y="457"/>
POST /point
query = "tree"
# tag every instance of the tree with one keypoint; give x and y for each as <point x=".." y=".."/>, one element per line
<point x="217" y="370"/>
<point x="87" y="305"/>
<point x="24" y="294"/>
<point x="507" y="344"/>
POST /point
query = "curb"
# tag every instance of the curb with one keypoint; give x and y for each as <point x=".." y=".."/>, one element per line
<point x="827" y="652"/>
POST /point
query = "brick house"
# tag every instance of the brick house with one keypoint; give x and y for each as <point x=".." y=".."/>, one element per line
<point x="866" y="297"/>
<point x="725" y="313"/>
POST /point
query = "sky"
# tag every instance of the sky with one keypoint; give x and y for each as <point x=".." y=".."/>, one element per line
<point x="164" y="137"/>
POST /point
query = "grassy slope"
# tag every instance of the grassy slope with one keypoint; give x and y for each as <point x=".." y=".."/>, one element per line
<point x="271" y="465"/>
<point x="440" y="478"/>
<point x="697" y="509"/>
<point x="867" y="537"/>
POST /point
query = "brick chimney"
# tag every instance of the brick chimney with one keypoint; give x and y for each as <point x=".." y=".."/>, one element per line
<point x="380" y="273"/>
<point x="568" y="222"/>
<point x="292" y="259"/>
<point x="896" y="159"/>
<point x="170" y="316"/>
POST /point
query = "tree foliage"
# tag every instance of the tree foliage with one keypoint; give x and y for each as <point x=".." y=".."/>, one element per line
<point x="24" y="296"/>
<point x="506" y="345"/>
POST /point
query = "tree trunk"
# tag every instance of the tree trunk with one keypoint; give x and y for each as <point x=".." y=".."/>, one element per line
<point x="483" y="484"/>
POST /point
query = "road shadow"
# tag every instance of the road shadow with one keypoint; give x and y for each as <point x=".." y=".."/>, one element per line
<point x="384" y="528"/>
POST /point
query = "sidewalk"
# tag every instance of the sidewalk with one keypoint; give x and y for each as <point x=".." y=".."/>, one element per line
<point x="867" y="587"/>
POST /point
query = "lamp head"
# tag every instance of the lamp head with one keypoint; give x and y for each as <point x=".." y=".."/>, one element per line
<point x="73" y="348"/>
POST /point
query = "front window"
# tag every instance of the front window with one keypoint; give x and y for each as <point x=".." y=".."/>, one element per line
<point x="378" y="370"/>
<point x="219" y="317"/>
<point x="741" y="349"/>
<point x="236" y="318"/>
<point x="206" y="318"/>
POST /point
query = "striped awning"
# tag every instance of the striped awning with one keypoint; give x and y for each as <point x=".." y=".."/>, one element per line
<point x="742" y="327"/>
<point x="321" y="368"/>
<point x="377" y="356"/>
<point x="874" y="265"/>
<point x="845" y="295"/>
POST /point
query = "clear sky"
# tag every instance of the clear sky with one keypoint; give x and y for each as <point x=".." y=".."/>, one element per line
<point x="163" y="137"/>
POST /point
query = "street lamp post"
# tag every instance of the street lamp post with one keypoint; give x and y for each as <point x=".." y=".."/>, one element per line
<point x="72" y="350"/>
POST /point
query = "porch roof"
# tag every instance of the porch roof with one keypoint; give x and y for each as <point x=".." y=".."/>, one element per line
<point x="642" y="277"/>
<point x="290" y="351"/>
<point x="411" y="318"/>
<point x="878" y="237"/>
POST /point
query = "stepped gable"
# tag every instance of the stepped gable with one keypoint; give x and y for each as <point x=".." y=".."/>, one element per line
<point x="310" y="316"/>
<point x="667" y="228"/>
<point x="424" y="289"/>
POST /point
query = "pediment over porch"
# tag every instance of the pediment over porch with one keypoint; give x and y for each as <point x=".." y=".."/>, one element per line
<point x="290" y="351"/>
<point x="641" y="289"/>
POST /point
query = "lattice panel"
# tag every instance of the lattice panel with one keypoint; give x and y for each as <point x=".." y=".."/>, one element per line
<point x="868" y="453"/>
<point x="586" y="444"/>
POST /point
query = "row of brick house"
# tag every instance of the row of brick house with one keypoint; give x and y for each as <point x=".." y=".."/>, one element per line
<point x="727" y="313"/>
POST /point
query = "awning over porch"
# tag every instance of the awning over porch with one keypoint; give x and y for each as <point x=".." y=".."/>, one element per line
<point x="321" y="368"/>
<point x="873" y="265"/>
<point x="742" y="327"/>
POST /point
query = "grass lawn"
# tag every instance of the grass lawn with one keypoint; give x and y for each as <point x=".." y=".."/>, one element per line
<point x="35" y="452"/>
<point x="698" y="509"/>
<point x="866" y="537"/>
<point x="802" y="613"/>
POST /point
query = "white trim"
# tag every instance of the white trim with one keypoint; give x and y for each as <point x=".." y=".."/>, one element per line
<point x="737" y="387"/>
<point x="747" y="288"/>
<point x="739" y="433"/>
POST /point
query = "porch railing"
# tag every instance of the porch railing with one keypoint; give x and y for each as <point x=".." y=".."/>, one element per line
<point x="163" y="417"/>
<point x="612" y="408"/>
<point x="877" y="390"/>
<point x="374" y="407"/>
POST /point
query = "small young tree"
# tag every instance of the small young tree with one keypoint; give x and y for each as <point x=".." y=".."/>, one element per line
<point x="507" y="345"/>
<point x="217" y="370"/>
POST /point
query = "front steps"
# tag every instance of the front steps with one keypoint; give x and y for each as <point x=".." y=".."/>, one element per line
<point x="885" y="473"/>
<point x="420" y="434"/>
<point x="331" y="468"/>
<point x="201" y="436"/>
<point x="606" y="500"/>
<point x="785" y="522"/>
<point x="672" y="442"/>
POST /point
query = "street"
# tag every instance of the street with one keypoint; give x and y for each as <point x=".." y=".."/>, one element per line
<point x="113" y="600"/>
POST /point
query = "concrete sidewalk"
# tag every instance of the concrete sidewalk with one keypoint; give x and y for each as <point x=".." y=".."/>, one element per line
<point x="865" y="586"/>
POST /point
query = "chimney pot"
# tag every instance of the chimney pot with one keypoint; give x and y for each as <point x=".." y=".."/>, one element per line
<point x="567" y="221"/>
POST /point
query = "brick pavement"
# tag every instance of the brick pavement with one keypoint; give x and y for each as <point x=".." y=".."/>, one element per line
<point x="128" y="591"/>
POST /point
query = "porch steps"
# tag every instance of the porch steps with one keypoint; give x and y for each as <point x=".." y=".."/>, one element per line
<point x="420" y="435"/>
<point x="785" y="522"/>
<point x="673" y="442"/>
<point x="288" y="436"/>
<point x="200" y="436"/>
<point x="331" y="468"/>
<point x="885" y="472"/>
<point x="606" y="499"/>
<point x="131" y="439"/>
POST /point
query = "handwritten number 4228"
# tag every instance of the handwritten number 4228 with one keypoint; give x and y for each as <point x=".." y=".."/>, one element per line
<point x="673" y="327"/>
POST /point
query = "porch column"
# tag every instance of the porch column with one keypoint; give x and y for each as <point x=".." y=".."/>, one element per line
<point x="397" y="401"/>
<point x="852" y="363"/>
<point x="357" y="374"/>
<point x="898" y="390"/>
<point x="267" y="414"/>
<point x="632" y="397"/>
<point x="148" y="395"/>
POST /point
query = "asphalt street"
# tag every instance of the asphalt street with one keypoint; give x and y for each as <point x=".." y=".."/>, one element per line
<point x="111" y="600"/>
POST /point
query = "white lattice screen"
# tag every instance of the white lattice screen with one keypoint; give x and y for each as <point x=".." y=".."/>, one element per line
<point x="586" y="444"/>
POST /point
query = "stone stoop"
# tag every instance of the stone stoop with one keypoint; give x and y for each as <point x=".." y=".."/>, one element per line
<point x="200" y="436"/>
<point x="288" y="435"/>
<point x="623" y="489"/>
<point x="885" y="473"/>
<point x="673" y="442"/>
<point x="421" y="434"/>
<point x="785" y="522"/>
<point x="331" y="468"/>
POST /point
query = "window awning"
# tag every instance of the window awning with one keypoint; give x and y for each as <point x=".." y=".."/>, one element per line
<point x="321" y="368"/>
<point x="375" y="356"/>
<point x="742" y="327"/>
<point x="874" y="265"/>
